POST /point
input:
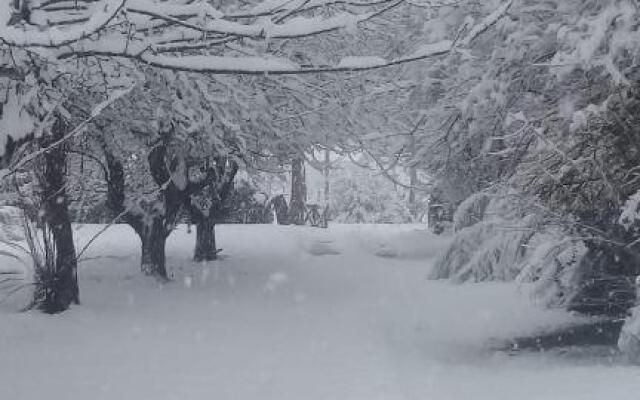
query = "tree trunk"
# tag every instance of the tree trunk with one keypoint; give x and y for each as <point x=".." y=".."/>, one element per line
<point x="57" y="285"/>
<point x="411" y="201"/>
<point x="281" y="210"/>
<point x="153" y="260"/>
<point x="413" y="181"/>
<point x="327" y="189"/>
<point x="298" y="192"/>
<point x="205" y="240"/>
<point x="153" y="235"/>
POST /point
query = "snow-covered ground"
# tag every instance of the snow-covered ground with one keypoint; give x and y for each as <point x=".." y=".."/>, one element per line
<point x="291" y="313"/>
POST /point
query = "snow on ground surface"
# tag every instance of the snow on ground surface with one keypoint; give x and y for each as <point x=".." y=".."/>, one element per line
<point x="291" y="313"/>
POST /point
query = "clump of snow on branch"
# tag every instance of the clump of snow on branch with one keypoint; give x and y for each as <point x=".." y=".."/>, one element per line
<point x="361" y="62"/>
<point x="100" y="14"/>
<point x="630" y="211"/>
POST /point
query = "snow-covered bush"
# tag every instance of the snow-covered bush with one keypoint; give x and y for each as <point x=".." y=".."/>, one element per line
<point x="629" y="340"/>
<point x="29" y="264"/>
<point x="470" y="211"/>
<point x="15" y="271"/>
<point x="10" y="223"/>
<point x="482" y="252"/>
<point x="563" y="268"/>
<point x="491" y="249"/>
<point x="552" y="262"/>
<point x="508" y="244"/>
<point x="246" y="205"/>
<point x="27" y="241"/>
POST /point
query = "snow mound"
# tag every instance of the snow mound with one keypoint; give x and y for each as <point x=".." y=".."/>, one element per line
<point x="412" y="242"/>
<point x="321" y="248"/>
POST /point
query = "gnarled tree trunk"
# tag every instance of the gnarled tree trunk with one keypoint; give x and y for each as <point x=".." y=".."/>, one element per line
<point x="217" y="186"/>
<point x="153" y="260"/>
<point x="153" y="228"/>
<point x="205" y="239"/>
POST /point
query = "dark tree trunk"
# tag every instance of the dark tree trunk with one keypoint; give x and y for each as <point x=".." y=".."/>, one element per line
<point x="411" y="201"/>
<point x="298" y="192"/>
<point x="153" y="260"/>
<point x="326" y="172"/>
<point x="413" y="181"/>
<point x="57" y="285"/>
<point x="327" y="190"/>
<point x="205" y="240"/>
<point x="218" y="186"/>
<point x="281" y="209"/>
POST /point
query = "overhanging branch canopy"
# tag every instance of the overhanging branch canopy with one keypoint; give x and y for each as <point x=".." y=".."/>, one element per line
<point x="189" y="35"/>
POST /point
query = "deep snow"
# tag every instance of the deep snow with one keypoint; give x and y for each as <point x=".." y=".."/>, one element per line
<point x="291" y="313"/>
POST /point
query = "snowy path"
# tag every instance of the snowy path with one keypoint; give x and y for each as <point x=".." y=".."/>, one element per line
<point x="290" y="313"/>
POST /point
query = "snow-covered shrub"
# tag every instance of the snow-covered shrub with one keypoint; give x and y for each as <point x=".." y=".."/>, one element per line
<point x="629" y="340"/>
<point x="606" y="273"/>
<point x="511" y="242"/>
<point x="246" y="205"/>
<point x="490" y="249"/>
<point x="584" y="272"/>
<point x="552" y="262"/>
<point x="482" y="252"/>
<point x="507" y="245"/>
<point x="10" y="223"/>
<point x="470" y="211"/>
<point x="605" y="281"/>
<point x="14" y="270"/>
<point x="25" y="239"/>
